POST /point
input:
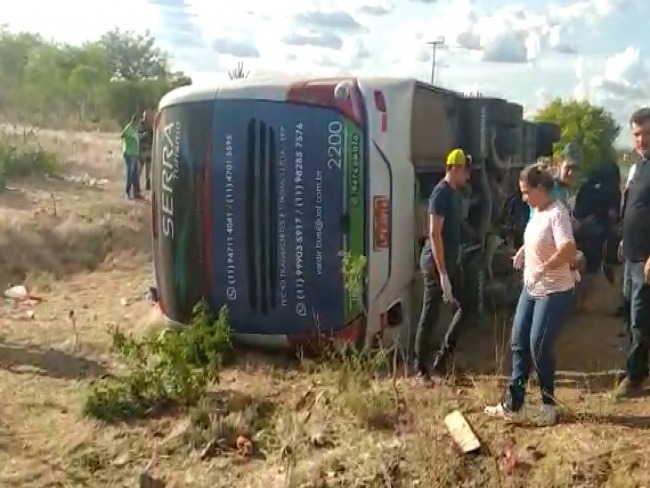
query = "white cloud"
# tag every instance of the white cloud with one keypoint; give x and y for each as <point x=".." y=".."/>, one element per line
<point x="237" y="47"/>
<point x="540" y="98"/>
<point x="89" y="20"/>
<point x="582" y="89"/>
<point x="514" y="35"/>
<point x="376" y="9"/>
<point x="560" y="38"/>
<point x="321" y="39"/>
<point x="626" y="74"/>
<point x="623" y="85"/>
<point x="551" y="47"/>
<point x="329" y="19"/>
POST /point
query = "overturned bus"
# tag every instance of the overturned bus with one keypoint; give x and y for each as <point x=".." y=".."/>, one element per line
<point x="260" y="187"/>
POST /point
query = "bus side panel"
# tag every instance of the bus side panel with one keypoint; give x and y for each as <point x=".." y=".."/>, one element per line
<point x="391" y="173"/>
<point x="381" y="236"/>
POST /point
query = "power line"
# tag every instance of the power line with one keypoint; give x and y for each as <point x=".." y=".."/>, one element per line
<point x="440" y="41"/>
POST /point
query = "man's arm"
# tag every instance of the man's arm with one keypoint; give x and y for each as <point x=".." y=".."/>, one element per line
<point x="438" y="208"/>
<point x="437" y="246"/>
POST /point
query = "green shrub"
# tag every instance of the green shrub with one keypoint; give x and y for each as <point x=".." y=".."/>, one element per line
<point x="173" y="368"/>
<point x="354" y="274"/>
<point x="20" y="160"/>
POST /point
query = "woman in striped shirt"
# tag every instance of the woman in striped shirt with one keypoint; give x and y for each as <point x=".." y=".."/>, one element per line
<point x="547" y="295"/>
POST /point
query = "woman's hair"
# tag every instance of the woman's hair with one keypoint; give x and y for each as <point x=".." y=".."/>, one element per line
<point x="537" y="176"/>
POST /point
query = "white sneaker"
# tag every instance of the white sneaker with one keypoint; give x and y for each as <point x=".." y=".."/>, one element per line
<point x="499" y="410"/>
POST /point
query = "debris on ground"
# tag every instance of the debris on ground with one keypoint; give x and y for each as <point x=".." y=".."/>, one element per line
<point x="22" y="302"/>
<point x="85" y="180"/>
<point x="18" y="292"/>
<point x="462" y="432"/>
<point x="512" y="459"/>
<point x="244" y="446"/>
<point x="148" y="481"/>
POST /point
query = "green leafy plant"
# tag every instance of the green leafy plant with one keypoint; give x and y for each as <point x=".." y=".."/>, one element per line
<point x="20" y="160"/>
<point x="592" y="127"/>
<point x="354" y="275"/>
<point x="173" y="368"/>
<point x="355" y="368"/>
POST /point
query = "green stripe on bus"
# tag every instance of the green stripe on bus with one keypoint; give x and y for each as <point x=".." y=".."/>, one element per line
<point x="353" y="166"/>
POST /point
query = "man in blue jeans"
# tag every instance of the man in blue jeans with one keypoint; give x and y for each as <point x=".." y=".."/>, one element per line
<point x="635" y="251"/>
<point x="131" y="153"/>
<point x="439" y="263"/>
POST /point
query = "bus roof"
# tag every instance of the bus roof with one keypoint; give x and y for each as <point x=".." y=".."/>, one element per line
<point x="276" y="87"/>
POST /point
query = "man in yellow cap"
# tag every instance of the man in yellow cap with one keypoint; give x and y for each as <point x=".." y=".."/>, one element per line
<point x="439" y="262"/>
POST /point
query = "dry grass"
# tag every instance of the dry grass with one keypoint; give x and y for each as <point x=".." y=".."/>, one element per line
<point x="271" y="421"/>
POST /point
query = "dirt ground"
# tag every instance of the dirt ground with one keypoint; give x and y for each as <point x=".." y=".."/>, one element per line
<point x="82" y="248"/>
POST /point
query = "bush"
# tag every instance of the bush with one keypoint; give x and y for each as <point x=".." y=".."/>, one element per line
<point x="174" y="368"/>
<point x="23" y="160"/>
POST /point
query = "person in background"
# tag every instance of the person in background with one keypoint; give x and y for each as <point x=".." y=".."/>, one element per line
<point x="614" y="198"/>
<point x="595" y="217"/>
<point x="439" y="263"/>
<point x="623" y="310"/>
<point x="146" y="145"/>
<point x="568" y="171"/>
<point x="546" y="298"/>
<point x="131" y="153"/>
<point x="635" y="253"/>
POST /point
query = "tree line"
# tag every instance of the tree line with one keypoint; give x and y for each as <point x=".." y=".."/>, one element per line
<point x="97" y="84"/>
<point x="103" y="82"/>
<point x="591" y="126"/>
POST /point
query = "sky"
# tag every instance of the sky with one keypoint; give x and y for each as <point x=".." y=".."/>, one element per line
<point x="528" y="52"/>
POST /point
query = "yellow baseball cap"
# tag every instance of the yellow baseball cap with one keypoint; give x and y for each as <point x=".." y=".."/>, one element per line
<point x="457" y="157"/>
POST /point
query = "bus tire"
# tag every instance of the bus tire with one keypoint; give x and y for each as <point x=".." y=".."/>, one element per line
<point x="474" y="276"/>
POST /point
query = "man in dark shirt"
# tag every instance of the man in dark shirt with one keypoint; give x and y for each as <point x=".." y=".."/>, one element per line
<point x="596" y="214"/>
<point x="146" y="145"/>
<point x="439" y="263"/>
<point x="635" y="251"/>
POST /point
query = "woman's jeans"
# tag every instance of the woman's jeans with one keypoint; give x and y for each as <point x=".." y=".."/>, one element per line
<point x="132" y="175"/>
<point x="535" y="329"/>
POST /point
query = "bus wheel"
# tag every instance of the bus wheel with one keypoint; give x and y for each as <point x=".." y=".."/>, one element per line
<point x="474" y="286"/>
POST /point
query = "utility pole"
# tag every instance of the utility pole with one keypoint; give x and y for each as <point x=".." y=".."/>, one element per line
<point x="440" y="41"/>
